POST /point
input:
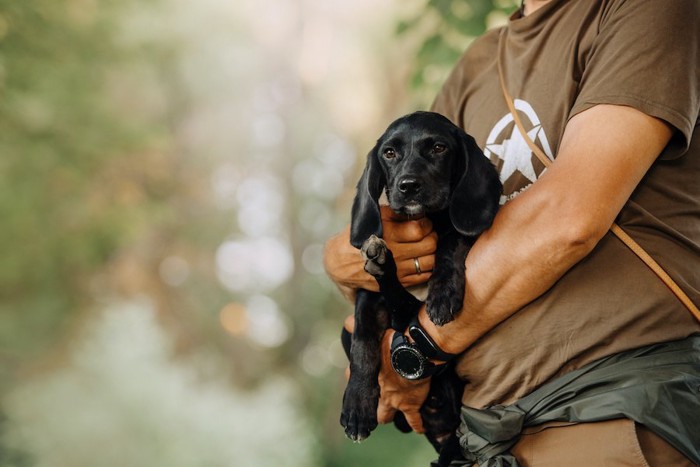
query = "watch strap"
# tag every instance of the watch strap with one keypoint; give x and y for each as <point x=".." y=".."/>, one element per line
<point x="432" y="369"/>
<point x="426" y="344"/>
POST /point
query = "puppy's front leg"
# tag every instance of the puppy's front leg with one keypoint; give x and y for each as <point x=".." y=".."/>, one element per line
<point x="379" y="262"/>
<point x="361" y="398"/>
<point x="446" y="285"/>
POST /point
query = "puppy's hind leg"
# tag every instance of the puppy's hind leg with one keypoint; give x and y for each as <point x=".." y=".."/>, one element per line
<point x="361" y="398"/>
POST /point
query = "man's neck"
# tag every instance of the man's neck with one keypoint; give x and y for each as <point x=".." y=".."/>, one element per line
<point x="530" y="6"/>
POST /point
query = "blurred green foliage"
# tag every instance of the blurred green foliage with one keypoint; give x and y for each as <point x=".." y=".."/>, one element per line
<point x="95" y="189"/>
<point x="59" y="137"/>
<point x="441" y="30"/>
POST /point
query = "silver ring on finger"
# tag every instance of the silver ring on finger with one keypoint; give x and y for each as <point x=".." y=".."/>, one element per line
<point x="417" y="265"/>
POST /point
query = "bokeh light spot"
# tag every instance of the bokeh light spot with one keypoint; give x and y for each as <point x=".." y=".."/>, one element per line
<point x="234" y="319"/>
<point x="254" y="264"/>
<point x="260" y="205"/>
<point x="174" y="270"/>
<point x="312" y="259"/>
<point x="268" y="326"/>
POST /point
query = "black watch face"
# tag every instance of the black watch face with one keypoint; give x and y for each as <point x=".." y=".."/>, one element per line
<point x="408" y="362"/>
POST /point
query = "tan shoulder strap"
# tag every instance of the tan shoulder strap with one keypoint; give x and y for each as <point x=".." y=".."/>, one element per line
<point x="615" y="229"/>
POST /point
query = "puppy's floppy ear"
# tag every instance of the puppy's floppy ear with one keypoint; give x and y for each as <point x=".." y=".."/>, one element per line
<point x="366" y="218"/>
<point x="476" y="196"/>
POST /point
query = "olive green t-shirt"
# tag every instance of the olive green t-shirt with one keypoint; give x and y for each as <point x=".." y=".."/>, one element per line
<point x="564" y="58"/>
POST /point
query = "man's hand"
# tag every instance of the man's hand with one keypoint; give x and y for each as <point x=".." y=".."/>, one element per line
<point x="399" y="393"/>
<point x="407" y="239"/>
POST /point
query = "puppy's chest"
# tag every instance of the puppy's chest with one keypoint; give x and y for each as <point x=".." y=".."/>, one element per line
<point x="419" y="291"/>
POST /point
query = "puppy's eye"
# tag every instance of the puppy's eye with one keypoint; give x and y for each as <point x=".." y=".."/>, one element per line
<point x="439" y="148"/>
<point x="389" y="153"/>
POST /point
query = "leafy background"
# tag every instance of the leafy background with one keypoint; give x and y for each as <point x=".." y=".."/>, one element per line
<point x="169" y="172"/>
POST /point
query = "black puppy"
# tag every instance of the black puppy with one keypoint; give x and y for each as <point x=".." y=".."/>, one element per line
<point x="428" y="166"/>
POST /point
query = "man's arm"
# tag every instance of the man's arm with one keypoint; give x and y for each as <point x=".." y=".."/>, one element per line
<point x="541" y="234"/>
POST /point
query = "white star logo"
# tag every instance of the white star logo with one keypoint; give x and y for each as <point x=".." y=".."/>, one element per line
<point x="513" y="150"/>
<point x="516" y="154"/>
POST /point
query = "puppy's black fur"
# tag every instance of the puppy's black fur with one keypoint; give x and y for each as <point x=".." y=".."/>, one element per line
<point x="427" y="166"/>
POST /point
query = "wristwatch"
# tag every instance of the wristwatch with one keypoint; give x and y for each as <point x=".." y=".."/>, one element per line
<point x="411" y="360"/>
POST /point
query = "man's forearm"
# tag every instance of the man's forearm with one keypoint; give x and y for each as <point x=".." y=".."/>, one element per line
<point x="513" y="263"/>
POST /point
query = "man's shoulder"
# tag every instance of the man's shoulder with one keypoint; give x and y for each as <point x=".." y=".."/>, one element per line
<point x="487" y="43"/>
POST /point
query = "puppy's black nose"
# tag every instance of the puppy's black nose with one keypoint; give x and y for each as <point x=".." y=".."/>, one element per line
<point x="408" y="185"/>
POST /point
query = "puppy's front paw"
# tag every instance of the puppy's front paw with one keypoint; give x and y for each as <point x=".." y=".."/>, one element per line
<point x="443" y="304"/>
<point x="375" y="253"/>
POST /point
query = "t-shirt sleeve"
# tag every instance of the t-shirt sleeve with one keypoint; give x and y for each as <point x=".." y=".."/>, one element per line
<point x="647" y="56"/>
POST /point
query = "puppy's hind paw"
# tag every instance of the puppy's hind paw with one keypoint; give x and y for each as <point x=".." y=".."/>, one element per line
<point x="358" y="430"/>
<point x="359" y="414"/>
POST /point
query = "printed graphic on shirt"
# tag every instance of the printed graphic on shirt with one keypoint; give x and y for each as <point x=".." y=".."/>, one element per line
<point x="508" y="150"/>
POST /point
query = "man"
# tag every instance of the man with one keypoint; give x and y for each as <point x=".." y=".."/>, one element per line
<point x="610" y="91"/>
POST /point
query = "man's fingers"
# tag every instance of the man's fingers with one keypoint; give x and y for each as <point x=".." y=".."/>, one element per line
<point x="414" y="419"/>
<point x="349" y="323"/>
<point x="408" y="267"/>
<point x="385" y="414"/>
<point x="388" y="214"/>
<point x="401" y="229"/>
<point x="408" y="231"/>
<point x="421" y="247"/>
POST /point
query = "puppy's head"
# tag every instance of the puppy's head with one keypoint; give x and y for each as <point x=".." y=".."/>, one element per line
<point x="427" y="164"/>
